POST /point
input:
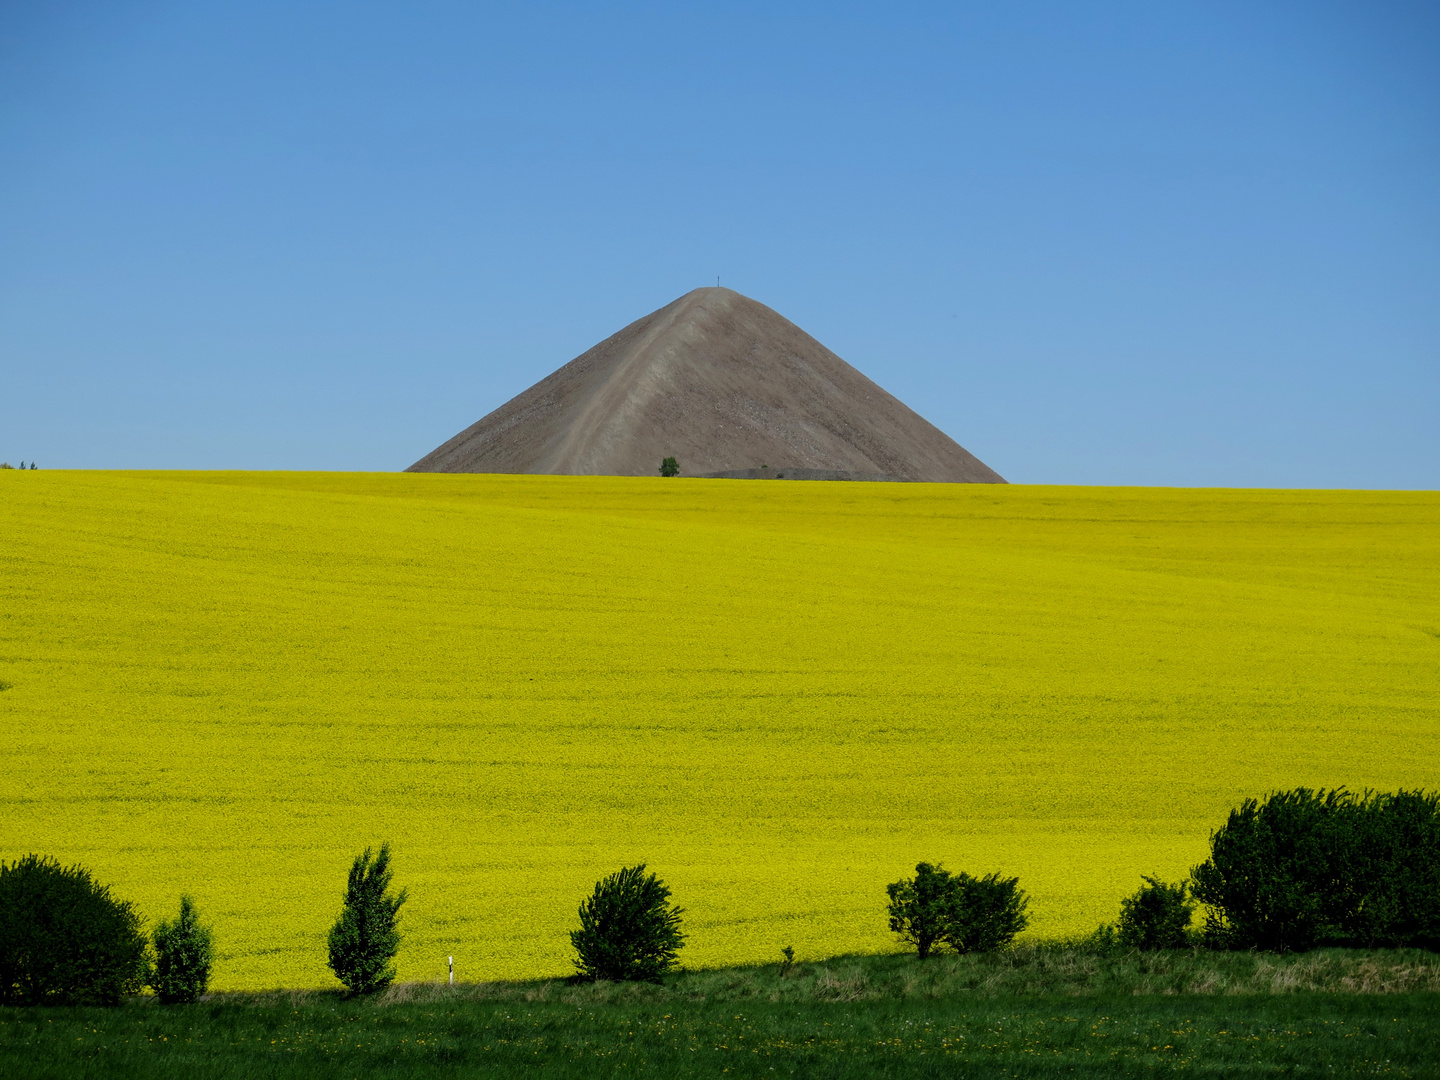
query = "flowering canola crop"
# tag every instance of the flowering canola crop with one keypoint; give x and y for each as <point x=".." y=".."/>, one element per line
<point x="780" y="695"/>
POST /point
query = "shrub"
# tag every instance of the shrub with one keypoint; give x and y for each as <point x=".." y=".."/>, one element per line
<point x="1156" y="917"/>
<point x="1304" y="868"/>
<point x="921" y="907"/>
<point x="990" y="912"/>
<point x="364" y="939"/>
<point x="1399" y="863"/>
<point x="1278" y="877"/>
<point x="788" y="952"/>
<point x="64" y="938"/>
<point x="184" y="953"/>
<point x="669" y="467"/>
<point x="968" y="914"/>
<point x="1105" y="940"/>
<point x="629" y="932"/>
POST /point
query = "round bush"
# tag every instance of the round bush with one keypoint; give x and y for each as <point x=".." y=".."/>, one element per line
<point x="628" y="929"/>
<point x="64" y="939"/>
<point x="1156" y="917"/>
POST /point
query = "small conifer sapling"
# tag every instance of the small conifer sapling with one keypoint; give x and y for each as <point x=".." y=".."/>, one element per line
<point x="184" y="955"/>
<point x="629" y="930"/>
<point x="365" y="938"/>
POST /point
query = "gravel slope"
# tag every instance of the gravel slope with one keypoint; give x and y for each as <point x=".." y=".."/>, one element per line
<point x="721" y="382"/>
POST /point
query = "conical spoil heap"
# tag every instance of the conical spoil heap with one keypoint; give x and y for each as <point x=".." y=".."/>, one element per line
<point x="724" y="385"/>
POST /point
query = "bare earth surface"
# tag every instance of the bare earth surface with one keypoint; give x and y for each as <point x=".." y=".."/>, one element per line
<point x="725" y="385"/>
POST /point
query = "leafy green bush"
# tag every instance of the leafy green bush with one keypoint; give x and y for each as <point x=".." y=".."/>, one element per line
<point x="990" y="912"/>
<point x="1156" y="917"/>
<point x="669" y="467"/>
<point x="629" y="932"/>
<point x="365" y="938"/>
<point x="1399" y="866"/>
<point x="788" y="952"/>
<point x="64" y="938"/>
<point x="1304" y="868"/>
<point x="968" y="914"/>
<point x="1279" y="876"/>
<point x="1105" y="940"/>
<point x="184" y="954"/>
<point x="921" y="907"/>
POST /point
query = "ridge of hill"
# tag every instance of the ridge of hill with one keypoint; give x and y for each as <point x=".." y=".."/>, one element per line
<point x="724" y="384"/>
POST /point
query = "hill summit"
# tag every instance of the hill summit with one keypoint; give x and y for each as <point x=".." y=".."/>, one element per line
<point x="725" y="385"/>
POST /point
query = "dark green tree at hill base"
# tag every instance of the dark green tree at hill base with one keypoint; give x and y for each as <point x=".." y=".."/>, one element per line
<point x="1156" y="917"/>
<point x="184" y="954"/>
<point x="965" y="913"/>
<point x="1304" y="868"/>
<point x="669" y="467"/>
<point x="921" y="907"/>
<point x="64" y="938"/>
<point x="365" y="938"/>
<point x="990" y="912"/>
<point x="629" y="931"/>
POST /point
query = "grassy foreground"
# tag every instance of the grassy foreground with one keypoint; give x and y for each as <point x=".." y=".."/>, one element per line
<point x="781" y="696"/>
<point x="1031" y="1012"/>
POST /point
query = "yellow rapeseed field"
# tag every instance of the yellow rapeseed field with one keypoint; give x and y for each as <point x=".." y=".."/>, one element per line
<point x="779" y="695"/>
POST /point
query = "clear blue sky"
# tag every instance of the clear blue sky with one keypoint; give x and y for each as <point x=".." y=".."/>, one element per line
<point x="1192" y="243"/>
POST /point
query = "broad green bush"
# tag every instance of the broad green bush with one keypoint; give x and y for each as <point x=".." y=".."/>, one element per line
<point x="990" y="912"/>
<point x="64" y="938"/>
<point x="365" y="938"/>
<point x="184" y="955"/>
<point x="1399" y="867"/>
<point x="629" y="931"/>
<point x="921" y="907"/>
<point x="1105" y="940"/>
<point x="966" y="913"/>
<point x="1304" y="868"/>
<point x="1156" y="917"/>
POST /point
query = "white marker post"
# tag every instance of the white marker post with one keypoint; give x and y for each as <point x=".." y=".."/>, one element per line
<point x="452" y="971"/>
